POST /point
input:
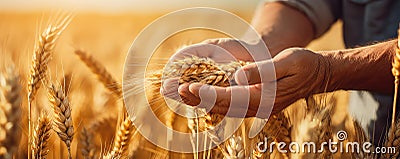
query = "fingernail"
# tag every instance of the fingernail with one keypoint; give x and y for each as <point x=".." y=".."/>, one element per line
<point x="195" y="88"/>
<point x="182" y="88"/>
<point x="247" y="75"/>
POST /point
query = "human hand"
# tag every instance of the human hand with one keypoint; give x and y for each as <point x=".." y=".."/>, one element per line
<point x="299" y="73"/>
<point x="219" y="50"/>
<point x="225" y="50"/>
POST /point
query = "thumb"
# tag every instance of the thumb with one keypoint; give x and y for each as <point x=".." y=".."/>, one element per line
<point x="263" y="71"/>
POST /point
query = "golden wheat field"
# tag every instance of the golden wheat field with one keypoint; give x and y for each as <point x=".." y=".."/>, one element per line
<point x="69" y="72"/>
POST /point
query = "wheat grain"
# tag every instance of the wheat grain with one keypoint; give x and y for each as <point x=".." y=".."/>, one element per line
<point x="41" y="137"/>
<point x="101" y="72"/>
<point x="10" y="102"/>
<point x="62" y="115"/>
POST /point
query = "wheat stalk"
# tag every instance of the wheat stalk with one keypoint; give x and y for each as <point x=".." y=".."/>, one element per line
<point x="43" y="51"/>
<point x="10" y="102"/>
<point x="41" y="137"/>
<point x="101" y="72"/>
<point x="62" y="115"/>
<point x="396" y="73"/>
<point x="66" y="82"/>
<point x="123" y="138"/>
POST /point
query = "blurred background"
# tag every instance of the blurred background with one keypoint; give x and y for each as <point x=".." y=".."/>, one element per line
<point x="109" y="27"/>
<point x="105" y="29"/>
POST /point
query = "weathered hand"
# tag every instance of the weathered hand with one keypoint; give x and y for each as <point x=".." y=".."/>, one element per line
<point x="299" y="73"/>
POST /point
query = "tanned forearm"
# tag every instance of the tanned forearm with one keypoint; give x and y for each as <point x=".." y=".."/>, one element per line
<point x="282" y="27"/>
<point x="366" y="68"/>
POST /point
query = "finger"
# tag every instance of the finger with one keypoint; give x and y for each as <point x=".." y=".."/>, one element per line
<point x="207" y="95"/>
<point x="169" y="88"/>
<point x="262" y="72"/>
<point x="238" y="99"/>
<point x="186" y="96"/>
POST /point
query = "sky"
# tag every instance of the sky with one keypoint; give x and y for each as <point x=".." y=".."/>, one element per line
<point x="126" y="5"/>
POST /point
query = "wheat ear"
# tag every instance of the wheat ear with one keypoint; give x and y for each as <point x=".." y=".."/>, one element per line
<point x="87" y="147"/>
<point x="122" y="139"/>
<point x="43" y="51"/>
<point x="396" y="73"/>
<point x="322" y="115"/>
<point x="101" y="72"/>
<point x="196" y="69"/>
<point x="276" y="129"/>
<point x="235" y="148"/>
<point x="10" y="102"/>
<point x="316" y="126"/>
<point x="361" y="138"/>
<point x="393" y="140"/>
<point x="324" y="130"/>
<point x="41" y="137"/>
<point x="62" y="115"/>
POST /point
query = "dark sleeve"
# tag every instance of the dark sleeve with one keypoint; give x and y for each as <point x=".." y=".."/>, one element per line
<point x="322" y="13"/>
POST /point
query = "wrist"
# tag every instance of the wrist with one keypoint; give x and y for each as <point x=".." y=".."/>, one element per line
<point x="337" y="71"/>
<point x="366" y="68"/>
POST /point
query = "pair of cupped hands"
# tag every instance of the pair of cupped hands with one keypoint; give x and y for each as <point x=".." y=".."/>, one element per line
<point x="263" y="87"/>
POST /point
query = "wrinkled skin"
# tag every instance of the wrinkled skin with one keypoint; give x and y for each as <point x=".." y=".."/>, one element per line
<point x="299" y="73"/>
